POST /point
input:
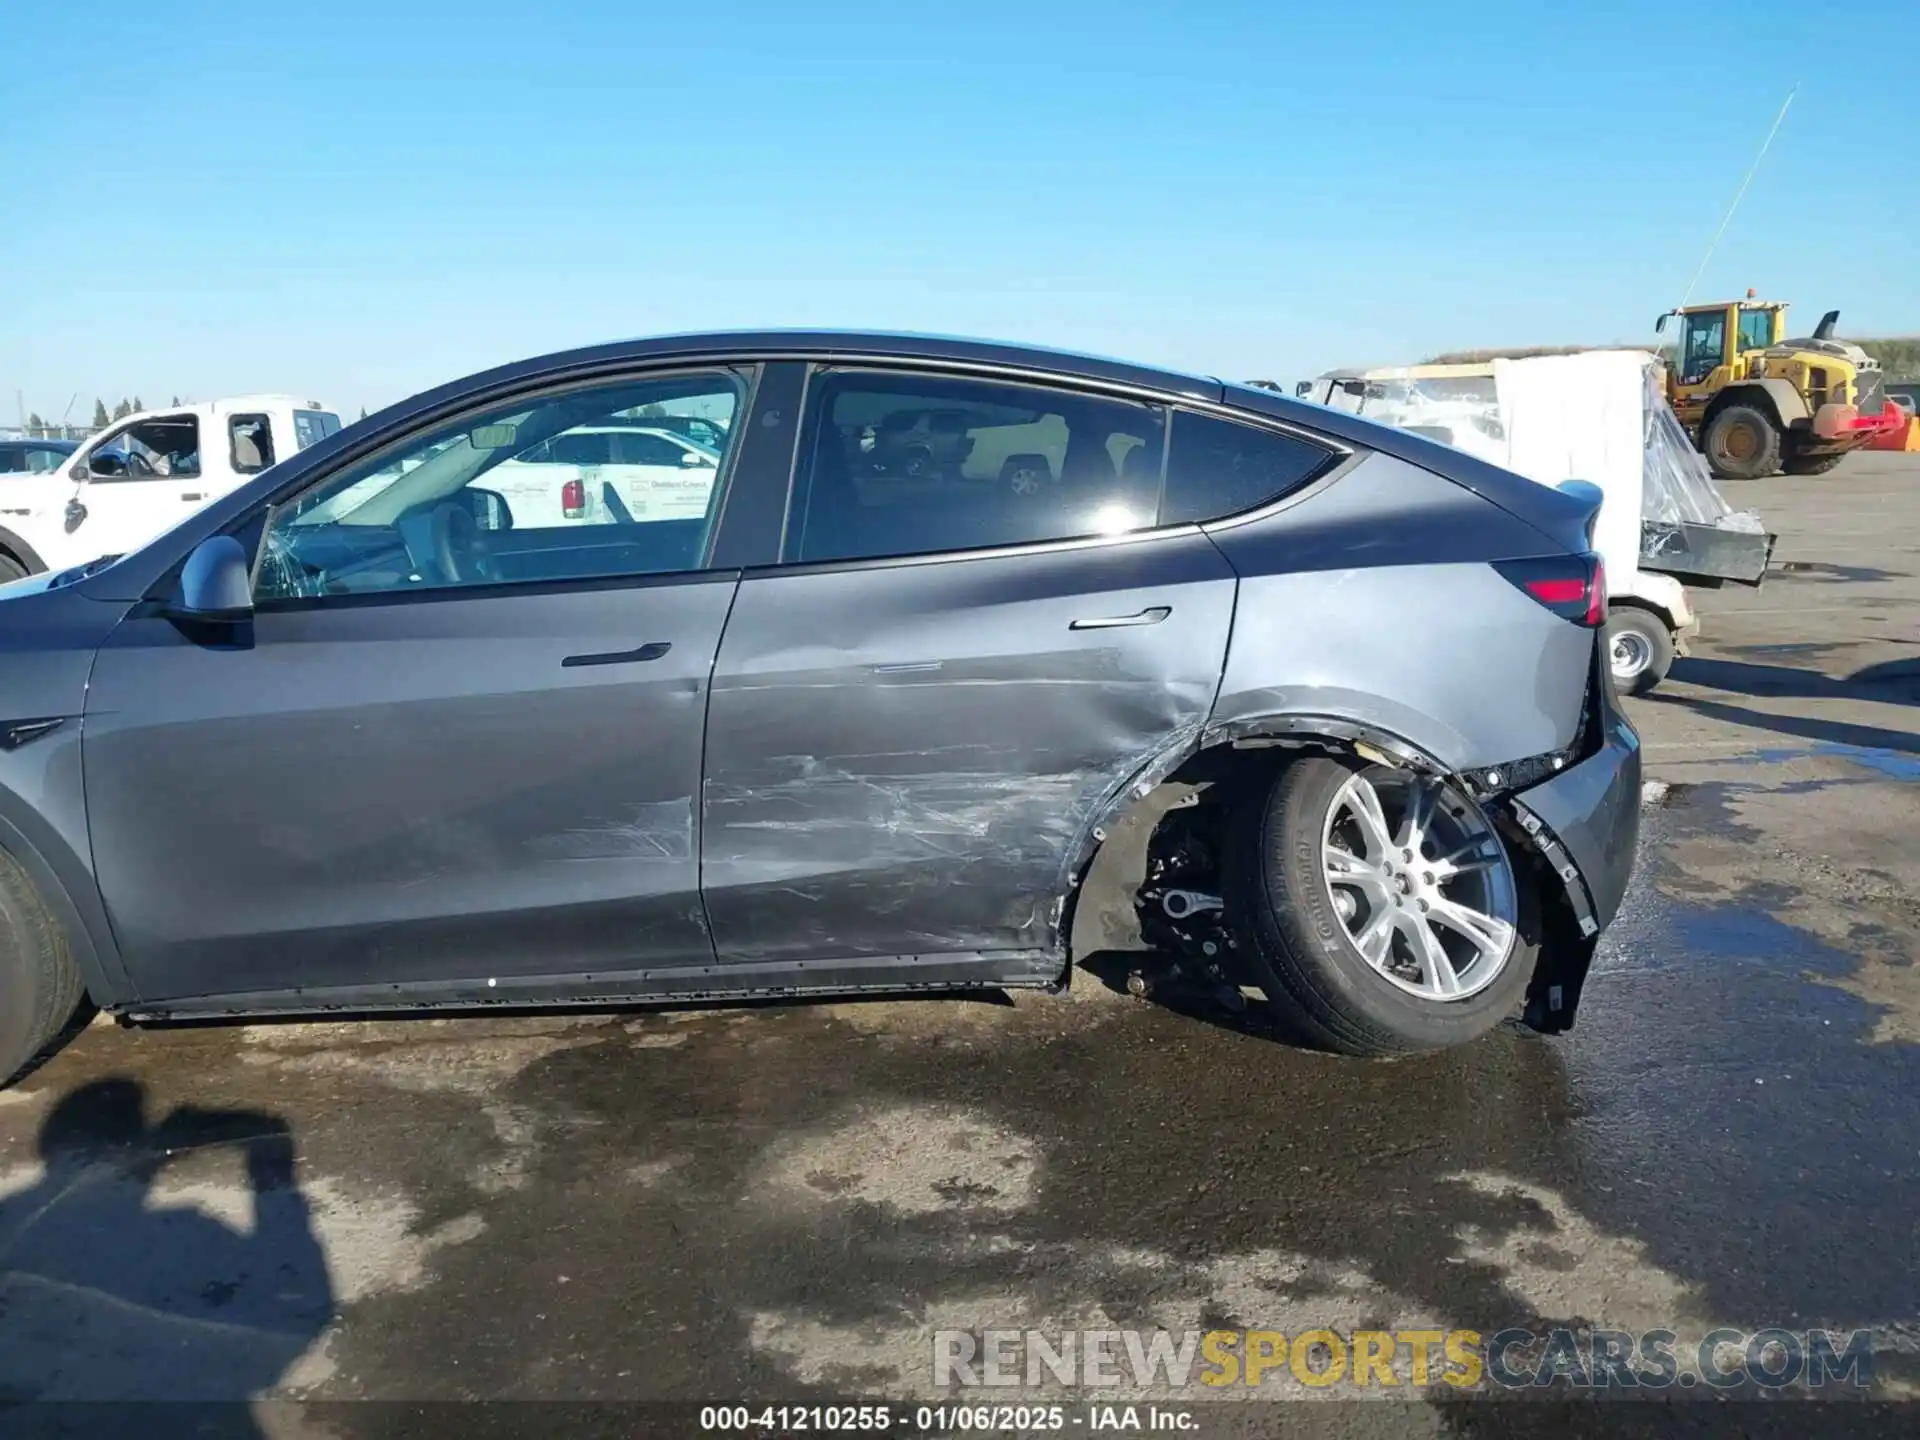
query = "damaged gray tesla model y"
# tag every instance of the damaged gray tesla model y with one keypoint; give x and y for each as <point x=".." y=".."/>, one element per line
<point x="771" y="664"/>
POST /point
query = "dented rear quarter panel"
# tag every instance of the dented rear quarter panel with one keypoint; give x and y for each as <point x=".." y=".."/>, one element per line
<point x="1370" y="599"/>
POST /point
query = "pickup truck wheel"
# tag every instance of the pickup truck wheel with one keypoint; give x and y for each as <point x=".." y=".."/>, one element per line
<point x="10" y="568"/>
<point x="1639" y="649"/>
<point x="39" y="983"/>
<point x="1378" y="909"/>
<point x="1741" y="443"/>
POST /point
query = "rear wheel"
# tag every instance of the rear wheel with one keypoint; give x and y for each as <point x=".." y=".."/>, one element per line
<point x="1811" y="464"/>
<point x="39" y="983"/>
<point x="1741" y="443"/>
<point x="1378" y="909"/>
<point x="1639" y="649"/>
<point x="10" y="568"/>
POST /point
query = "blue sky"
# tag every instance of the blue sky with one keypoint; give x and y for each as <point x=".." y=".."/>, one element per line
<point x="354" y="201"/>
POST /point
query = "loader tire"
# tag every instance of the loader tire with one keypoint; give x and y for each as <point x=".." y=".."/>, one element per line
<point x="1811" y="464"/>
<point x="40" y="986"/>
<point x="1741" y="443"/>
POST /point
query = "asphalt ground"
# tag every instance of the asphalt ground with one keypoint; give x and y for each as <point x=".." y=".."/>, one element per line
<point x="788" y="1202"/>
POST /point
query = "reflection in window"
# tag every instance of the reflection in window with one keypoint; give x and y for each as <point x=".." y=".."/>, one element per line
<point x="535" y="492"/>
<point x="907" y="465"/>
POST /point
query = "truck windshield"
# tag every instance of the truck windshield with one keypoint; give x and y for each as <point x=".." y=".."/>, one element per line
<point x="310" y="427"/>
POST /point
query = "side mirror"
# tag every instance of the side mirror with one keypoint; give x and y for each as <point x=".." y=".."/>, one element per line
<point x="489" y="509"/>
<point x="1660" y="325"/>
<point x="216" y="584"/>
<point x="693" y="459"/>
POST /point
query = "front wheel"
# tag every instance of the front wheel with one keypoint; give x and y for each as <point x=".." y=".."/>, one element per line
<point x="1639" y="649"/>
<point x="1741" y="443"/>
<point x="11" y="569"/>
<point x="1378" y="909"/>
<point x="39" y="983"/>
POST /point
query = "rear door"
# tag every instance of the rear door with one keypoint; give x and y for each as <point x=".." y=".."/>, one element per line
<point x="452" y="756"/>
<point x="916" y="718"/>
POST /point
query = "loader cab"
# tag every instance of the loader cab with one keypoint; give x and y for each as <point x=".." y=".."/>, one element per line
<point x="1713" y="346"/>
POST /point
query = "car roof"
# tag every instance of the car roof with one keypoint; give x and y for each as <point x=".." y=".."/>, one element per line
<point x="847" y="346"/>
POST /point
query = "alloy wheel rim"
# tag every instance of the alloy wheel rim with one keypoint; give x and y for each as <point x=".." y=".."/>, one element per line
<point x="1629" y="655"/>
<point x="1422" y="883"/>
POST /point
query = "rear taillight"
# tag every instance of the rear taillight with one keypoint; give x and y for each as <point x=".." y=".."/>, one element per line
<point x="1572" y="586"/>
<point x="573" y="499"/>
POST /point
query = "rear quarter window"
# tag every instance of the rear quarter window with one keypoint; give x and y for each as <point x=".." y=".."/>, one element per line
<point x="1217" y="468"/>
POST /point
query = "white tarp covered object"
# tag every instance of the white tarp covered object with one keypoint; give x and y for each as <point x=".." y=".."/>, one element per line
<point x="1600" y="416"/>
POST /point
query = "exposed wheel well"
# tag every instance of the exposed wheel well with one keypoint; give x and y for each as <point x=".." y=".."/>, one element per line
<point x="1102" y="911"/>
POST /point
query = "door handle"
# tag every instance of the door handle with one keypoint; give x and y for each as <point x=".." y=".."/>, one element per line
<point x="1152" y="615"/>
<point x="651" y="651"/>
<point x="189" y="499"/>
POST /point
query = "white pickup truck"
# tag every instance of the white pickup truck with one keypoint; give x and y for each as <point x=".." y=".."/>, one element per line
<point x="143" y="475"/>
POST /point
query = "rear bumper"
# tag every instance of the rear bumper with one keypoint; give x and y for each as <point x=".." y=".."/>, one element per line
<point x="1585" y="824"/>
<point x="1590" y="813"/>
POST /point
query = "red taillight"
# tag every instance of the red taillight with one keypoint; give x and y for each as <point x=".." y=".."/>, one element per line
<point x="573" y="499"/>
<point x="1557" y="592"/>
<point x="1572" y="586"/>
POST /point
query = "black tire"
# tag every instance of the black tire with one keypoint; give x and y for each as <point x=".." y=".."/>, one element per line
<point x="40" y="985"/>
<point x="1647" y="635"/>
<point x="1741" y="443"/>
<point x="1296" y="945"/>
<point x="11" y="569"/>
<point x="1811" y="464"/>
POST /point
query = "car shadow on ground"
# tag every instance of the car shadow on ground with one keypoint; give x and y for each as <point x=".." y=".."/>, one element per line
<point x="1858" y="740"/>
<point x="118" y="1282"/>
<point x="1891" y="682"/>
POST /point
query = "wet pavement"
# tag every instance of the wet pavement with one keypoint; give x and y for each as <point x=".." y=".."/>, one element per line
<point x="790" y="1200"/>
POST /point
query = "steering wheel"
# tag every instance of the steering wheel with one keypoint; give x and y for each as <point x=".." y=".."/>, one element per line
<point x="138" y="464"/>
<point x="458" y="551"/>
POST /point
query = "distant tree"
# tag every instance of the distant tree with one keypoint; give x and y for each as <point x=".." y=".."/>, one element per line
<point x="174" y="403"/>
<point x="123" y="409"/>
<point x="35" y="425"/>
<point x="100" y="416"/>
<point x="138" y="403"/>
<point x="363" y="412"/>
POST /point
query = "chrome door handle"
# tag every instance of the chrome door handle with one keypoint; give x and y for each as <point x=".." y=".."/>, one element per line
<point x="1152" y="615"/>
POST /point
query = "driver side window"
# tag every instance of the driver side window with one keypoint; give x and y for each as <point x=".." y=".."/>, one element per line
<point x="524" y="493"/>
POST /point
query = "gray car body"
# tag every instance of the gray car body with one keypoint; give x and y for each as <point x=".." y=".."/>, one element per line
<point x="870" y="774"/>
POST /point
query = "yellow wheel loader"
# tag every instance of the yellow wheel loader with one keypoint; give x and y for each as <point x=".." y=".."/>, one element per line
<point x="1756" y="402"/>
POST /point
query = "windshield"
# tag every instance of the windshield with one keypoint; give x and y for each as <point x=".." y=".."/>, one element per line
<point x="310" y="427"/>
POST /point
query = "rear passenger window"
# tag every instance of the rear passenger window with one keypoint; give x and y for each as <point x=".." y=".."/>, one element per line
<point x="250" y="443"/>
<point x="1218" y="468"/>
<point x="898" y="464"/>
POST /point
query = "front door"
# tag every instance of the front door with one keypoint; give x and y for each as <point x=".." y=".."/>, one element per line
<point x="140" y="482"/>
<point x="452" y="755"/>
<point x="915" y="722"/>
